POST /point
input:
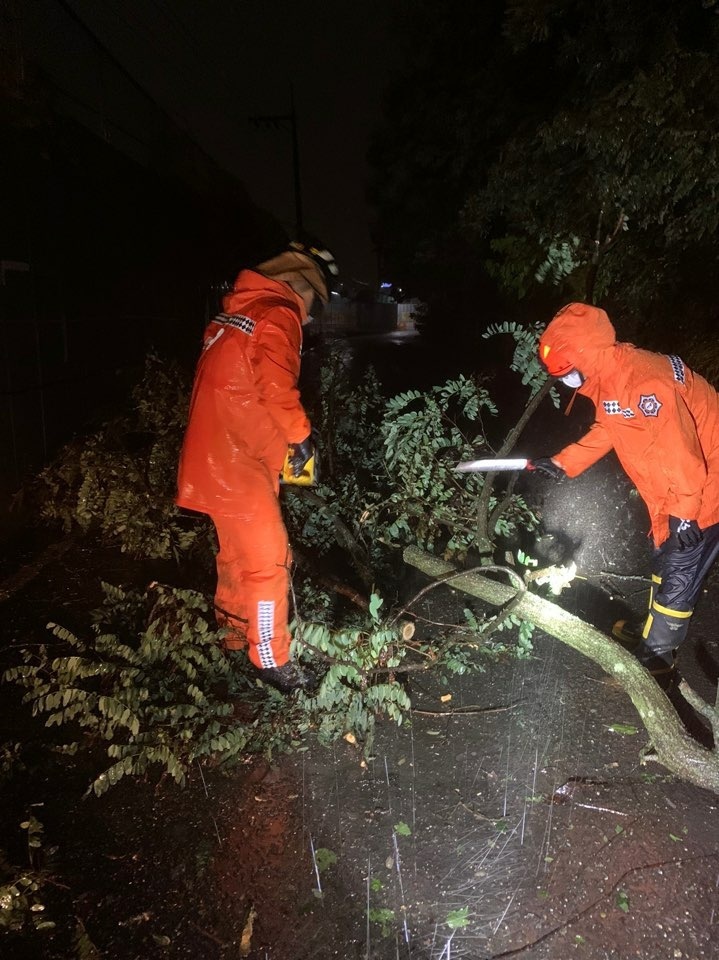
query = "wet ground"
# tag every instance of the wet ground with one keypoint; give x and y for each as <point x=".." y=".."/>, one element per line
<point x="508" y="806"/>
<point x="508" y="819"/>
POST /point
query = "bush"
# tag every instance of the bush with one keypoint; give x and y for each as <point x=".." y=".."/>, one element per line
<point x="152" y="690"/>
<point x="153" y="682"/>
<point x="121" y="479"/>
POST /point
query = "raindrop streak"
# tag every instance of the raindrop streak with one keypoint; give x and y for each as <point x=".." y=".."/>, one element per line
<point x="530" y="798"/>
<point x="401" y="887"/>
<point x="479" y="770"/>
<point x="434" y="939"/>
<point x="446" y="951"/>
<point x="369" y="875"/>
<point x="511" y="901"/>
<point x="337" y="793"/>
<point x="202" y="776"/>
<point x="304" y="796"/>
<point x="412" y="782"/>
<point x="389" y="798"/>
<point x="204" y="784"/>
<point x="314" y="861"/>
<point x="506" y="779"/>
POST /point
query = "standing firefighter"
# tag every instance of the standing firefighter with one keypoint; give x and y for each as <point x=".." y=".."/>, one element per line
<point x="245" y="413"/>
<point x="663" y="422"/>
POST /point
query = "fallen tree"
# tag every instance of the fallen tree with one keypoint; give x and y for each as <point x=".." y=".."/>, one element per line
<point x="378" y="497"/>
<point x="673" y="747"/>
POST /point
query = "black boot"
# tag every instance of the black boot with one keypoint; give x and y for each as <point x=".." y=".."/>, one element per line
<point x="660" y="665"/>
<point x="290" y="676"/>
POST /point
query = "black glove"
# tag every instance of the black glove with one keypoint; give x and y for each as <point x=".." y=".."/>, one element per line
<point x="547" y="467"/>
<point x="300" y="453"/>
<point x="686" y="533"/>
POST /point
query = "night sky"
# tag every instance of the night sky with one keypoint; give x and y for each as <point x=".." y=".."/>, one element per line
<point x="212" y="65"/>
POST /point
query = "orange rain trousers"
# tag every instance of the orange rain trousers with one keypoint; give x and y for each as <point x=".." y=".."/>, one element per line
<point x="251" y="599"/>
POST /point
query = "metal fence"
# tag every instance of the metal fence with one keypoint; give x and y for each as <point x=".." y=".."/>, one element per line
<point x="343" y="315"/>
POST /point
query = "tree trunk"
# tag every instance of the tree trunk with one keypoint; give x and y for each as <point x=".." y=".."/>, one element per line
<point x="485" y="522"/>
<point x="674" y="748"/>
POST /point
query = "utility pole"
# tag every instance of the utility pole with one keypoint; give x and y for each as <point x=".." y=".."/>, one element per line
<point x="278" y="121"/>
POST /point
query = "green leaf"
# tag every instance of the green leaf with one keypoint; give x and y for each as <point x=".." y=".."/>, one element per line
<point x="324" y="858"/>
<point x="402" y="829"/>
<point x="382" y="916"/>
<point x="624" y="728"/>
<point x="622" y="900"/>
<point x="456" y="919"/>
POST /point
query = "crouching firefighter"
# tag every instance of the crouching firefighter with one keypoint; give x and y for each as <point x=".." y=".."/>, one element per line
<point x="245" y="418"/>
<point x="662" y="420"/>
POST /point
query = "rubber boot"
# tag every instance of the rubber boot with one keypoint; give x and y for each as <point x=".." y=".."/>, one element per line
<point x="664" y="631"/>
<point x="290" y="676"/>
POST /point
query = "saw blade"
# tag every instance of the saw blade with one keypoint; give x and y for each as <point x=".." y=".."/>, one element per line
<point x="486" y="466"/>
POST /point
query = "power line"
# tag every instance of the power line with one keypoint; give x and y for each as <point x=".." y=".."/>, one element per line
<point x="72" y="13"/>
<point x="186" y="43"/>
<point x="281" y="122"/>
<point x="78" y="101"/>
<point x="189" y="40"/>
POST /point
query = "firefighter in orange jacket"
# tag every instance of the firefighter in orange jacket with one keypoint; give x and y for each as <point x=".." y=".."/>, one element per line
<point x="662" y="421"/>
<point x="245" y="413"/>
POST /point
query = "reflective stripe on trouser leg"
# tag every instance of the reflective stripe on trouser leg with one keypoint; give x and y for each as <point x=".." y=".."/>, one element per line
<point x="265" y="628"/>
<point x="654" y="588"/>
<point x="665" y="630"/>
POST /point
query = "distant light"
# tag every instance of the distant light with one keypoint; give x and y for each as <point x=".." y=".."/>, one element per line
<point x="335" y="294"/>
<point x="385" y="286"/>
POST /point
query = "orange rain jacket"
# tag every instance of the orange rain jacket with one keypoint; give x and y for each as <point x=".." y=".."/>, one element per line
<point x="245" y="406"/>
<point x="660" y="418"/>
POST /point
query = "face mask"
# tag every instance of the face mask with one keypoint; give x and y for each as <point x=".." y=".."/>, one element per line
<point x="573" y="379"/>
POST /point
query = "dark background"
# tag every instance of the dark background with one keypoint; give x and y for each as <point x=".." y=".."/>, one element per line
<point x="148" y="155"/>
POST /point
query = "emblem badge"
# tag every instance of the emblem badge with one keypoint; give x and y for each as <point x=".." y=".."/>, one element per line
<point x="649" y="405"/>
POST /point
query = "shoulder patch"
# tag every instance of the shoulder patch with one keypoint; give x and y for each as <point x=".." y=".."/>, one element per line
<point x="649" y="404"/>
<point x="237" y="320"/>
<point x="614" y="406"/>
<point x="677" y="368"/>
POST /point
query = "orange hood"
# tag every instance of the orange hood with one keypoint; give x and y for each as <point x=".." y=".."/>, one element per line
<point x="250" y="285"/>
<point x="580" y="337"/>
